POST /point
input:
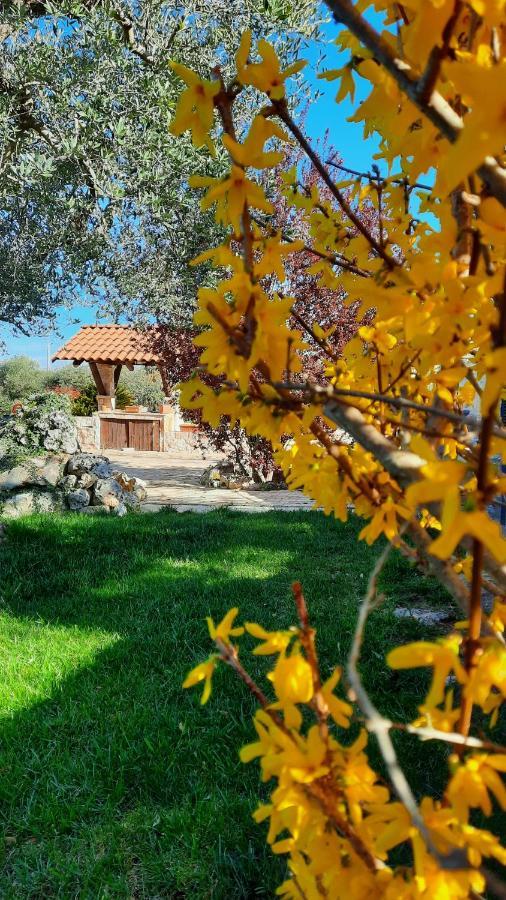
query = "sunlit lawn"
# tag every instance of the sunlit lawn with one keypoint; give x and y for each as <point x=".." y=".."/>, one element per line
<point x="113" y="781"/>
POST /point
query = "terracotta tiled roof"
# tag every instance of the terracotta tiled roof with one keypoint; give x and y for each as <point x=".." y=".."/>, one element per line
<point x="110" y="344"/>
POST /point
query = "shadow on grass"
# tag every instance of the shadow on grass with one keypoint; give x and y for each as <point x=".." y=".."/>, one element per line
<point x="114" y="782"/>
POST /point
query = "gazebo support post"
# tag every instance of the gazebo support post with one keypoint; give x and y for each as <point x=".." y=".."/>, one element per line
<point x="105" y="376"/>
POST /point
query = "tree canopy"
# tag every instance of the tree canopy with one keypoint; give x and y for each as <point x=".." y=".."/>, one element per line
<point x="93" y="186"/>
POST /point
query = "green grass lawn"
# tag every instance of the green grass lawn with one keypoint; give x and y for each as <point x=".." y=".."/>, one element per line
<point x="113" y="781"/>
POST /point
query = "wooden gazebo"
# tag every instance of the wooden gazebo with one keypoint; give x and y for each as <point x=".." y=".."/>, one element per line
<point x="106" y="349"/>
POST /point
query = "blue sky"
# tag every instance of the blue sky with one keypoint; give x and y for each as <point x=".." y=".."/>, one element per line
<point x="324" y="114"/>
<point x="347" y="137"/>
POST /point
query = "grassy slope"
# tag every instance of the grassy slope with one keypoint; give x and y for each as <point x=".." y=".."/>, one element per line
<point x="113" y="781"/>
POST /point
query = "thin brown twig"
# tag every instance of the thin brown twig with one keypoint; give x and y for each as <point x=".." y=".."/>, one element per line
<point x="339" y="260"/>
<point x="472" y="643"/>
<point x="471" y="377"/>
<point x="443" y="571"/>
<point x="342" y="826"/>
<point x="323" y="344"/>
<point x="427" y="432"/>
<point x="229" y="655"/>
<point x="496" y="570"/>
<point x="335" y="259"/>
<point x="387" y="180"/>
<point x="344" y="463"/>
<point x="402" y="371"/>
<point x="281" y="109"/>
<point x="307" y="639"/>
<point x="296" y="882"/>
<point x="429" y="78"/>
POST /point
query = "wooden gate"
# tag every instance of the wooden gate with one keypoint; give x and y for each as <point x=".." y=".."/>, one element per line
<point x="138" y="433"/>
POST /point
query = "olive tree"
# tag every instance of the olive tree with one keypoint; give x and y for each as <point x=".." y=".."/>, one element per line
<point x="93" y="187"/>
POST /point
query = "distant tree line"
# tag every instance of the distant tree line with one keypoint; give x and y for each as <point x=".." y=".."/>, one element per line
<point x="22" y="376"/>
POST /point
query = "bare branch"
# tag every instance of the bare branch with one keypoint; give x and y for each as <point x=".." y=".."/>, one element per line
<point x="317" y="392"/>
<point x="379" y="726"/>
<point x="403" y="465"/>
<point x="127" y="29"/>
<point x="335" y="259"/>
<point x="229" y="655"/>
<point x="388" y="180"/>
<point x="495" y="570"/>
<point x="425" y="733"/>
<point x="428" y="79"/>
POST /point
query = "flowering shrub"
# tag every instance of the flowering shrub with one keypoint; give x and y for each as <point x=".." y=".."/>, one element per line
<point x="71" y="392"/>
<point x="429" y="262"/>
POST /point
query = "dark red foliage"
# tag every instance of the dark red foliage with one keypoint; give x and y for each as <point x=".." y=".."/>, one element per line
<point x="70" y="392"/>
<point x="312" y="304"/>
<point x="251" y="456"/>
<point x="179" y="354"/>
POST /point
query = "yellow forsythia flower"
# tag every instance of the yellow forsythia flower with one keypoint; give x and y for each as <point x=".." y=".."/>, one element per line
<point x="441" y="656"/>
<point x="473" y="782"/>
<point x="225" y="630"/>
<point x="273" y="641"/>
<point x="195" y="107"/>
<point x="266" y="76"/>
<point x="292" y="679"/>
<point x="203" y="672"/>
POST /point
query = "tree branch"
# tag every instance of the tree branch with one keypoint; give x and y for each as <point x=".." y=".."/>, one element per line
<point x="436" y="109"/>
<point x="379" y="726"/>
<point x="281" y="109"/>
<point x="323" y="394"/>
<point x="127" y="29"/>
<point x="403" y="465"/>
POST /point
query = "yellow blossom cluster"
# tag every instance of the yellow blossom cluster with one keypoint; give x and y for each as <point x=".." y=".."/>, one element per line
<point x="403" y="426"/>
<point x="434" y="341"/>
<point x="328" y="809"/>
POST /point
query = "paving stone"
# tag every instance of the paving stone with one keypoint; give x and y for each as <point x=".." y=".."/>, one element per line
<point x="174" y="480"/>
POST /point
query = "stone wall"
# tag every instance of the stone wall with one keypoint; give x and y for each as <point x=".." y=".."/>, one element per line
<point x="181" y="440"/>
<point x="87" y="433"/>
<point x="82" y="482"/>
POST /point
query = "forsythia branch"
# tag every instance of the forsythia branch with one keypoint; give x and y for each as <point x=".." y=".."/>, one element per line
<point x="435" y="108"/>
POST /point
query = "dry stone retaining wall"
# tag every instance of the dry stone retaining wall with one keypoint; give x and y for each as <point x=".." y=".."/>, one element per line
<point x="82" y="482"/>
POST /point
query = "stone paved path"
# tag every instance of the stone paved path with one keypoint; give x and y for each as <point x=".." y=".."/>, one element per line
<point x="175" y="480"/>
